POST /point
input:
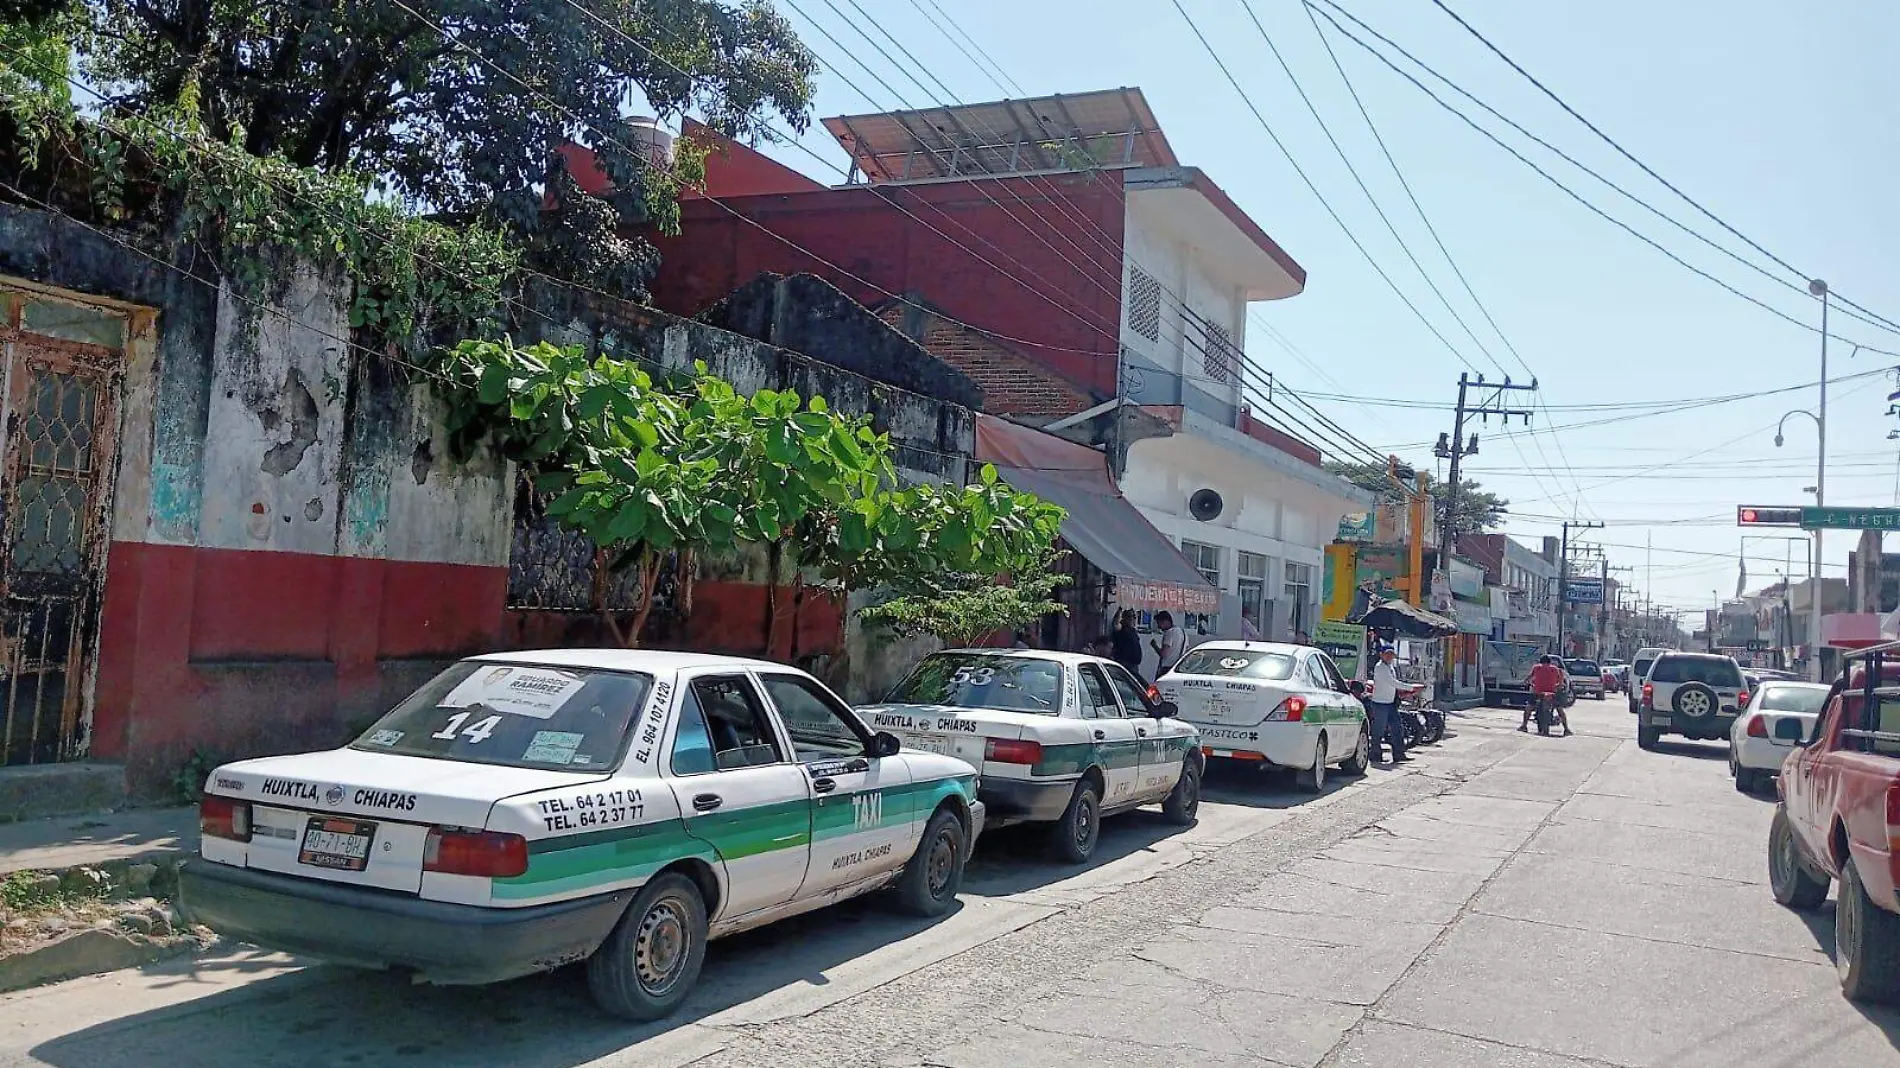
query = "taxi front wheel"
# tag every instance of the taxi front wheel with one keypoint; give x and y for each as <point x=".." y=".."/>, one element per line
<point x="650" y="962"/>
<point x="930" y="881"/>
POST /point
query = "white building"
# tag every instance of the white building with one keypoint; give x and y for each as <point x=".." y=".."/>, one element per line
<point x="1531" y="579"/>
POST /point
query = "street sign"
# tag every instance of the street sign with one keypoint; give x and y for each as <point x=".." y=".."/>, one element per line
<point x="1755" y="515"/>
<point x="1850" y="518"/>
<point x="1584" y="591"/>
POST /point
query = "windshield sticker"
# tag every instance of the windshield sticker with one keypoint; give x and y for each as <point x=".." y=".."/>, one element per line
<point x="552" y="747"/>
<point x="586" y="811"/>
<point x="534" y="692"/>
<point x="384" y="738"/>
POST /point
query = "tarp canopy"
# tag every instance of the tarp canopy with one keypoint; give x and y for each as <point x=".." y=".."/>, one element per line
<point x="1406" y="618"/>
<point x="1149" y="572"/>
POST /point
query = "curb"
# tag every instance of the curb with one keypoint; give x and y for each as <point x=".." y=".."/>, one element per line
<point x="88" y="952"/>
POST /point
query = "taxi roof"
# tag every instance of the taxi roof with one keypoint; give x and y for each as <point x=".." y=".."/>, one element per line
<point x="652" y="661"/>
<point x="1286" y="648"/>
<point x="1031" y="654"/>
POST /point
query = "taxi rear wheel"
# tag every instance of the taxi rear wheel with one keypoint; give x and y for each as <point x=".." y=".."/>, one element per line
<point x="650" y="962"/>
<point x="1183" y="804"/>
<point x="1361" y="757"/>
<point x="1074" y="835"/>
<point x="1313" y="779"/>
<point x="934" y="873"/>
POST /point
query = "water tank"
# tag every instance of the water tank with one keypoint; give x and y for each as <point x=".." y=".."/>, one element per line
<point x="651" y="140"/>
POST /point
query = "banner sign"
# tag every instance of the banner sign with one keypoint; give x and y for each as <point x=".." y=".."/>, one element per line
<point x="1584" y="591"/>
<point x="1155" y="596"/>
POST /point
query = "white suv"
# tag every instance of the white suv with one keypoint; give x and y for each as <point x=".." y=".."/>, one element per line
<point x="1696" y="695"/>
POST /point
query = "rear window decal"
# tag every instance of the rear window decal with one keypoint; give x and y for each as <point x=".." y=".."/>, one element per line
<point x="553" y="747"/>
<point x="521" y="691"/>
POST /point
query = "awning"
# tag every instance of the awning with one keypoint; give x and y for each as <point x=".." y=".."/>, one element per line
<point x="1149" y="572"/>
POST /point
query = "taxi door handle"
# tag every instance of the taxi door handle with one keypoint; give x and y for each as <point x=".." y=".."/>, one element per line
<point x="824" y="786"/>
<point x="1099" y="735"/>
<point x="708" y="802"/>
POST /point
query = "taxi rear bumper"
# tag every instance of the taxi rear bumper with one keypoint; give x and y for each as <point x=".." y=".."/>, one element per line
<point x="443" y="943"/>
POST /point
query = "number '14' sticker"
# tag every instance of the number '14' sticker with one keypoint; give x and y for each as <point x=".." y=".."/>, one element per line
<point x="475" y="735"/>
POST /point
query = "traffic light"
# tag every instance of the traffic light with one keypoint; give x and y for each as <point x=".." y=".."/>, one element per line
<point x="1751" y="515"/>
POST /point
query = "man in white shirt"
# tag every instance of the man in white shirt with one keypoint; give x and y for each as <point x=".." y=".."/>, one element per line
<point x="1386" y="691"/>
<point x="1169" y="647"/>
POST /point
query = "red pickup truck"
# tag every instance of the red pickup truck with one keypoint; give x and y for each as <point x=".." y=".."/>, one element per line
<point x="1839" y="819"/>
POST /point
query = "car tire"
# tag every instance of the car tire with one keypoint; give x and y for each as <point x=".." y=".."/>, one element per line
<point x="1696" y="701"/>
<point x="1866" y="943"/>
<point x="1313" y="779"/>
<point x="1072" y="837"/>
<point x="1183" y="804"/>
<point x="651" y="960"/>
<point x="934" y="873"/>
<point x="1361" y="757"/>
<point x="1790" y="879"/>
<point x="1647" y="737"/>
<point x="1748" y="781"/>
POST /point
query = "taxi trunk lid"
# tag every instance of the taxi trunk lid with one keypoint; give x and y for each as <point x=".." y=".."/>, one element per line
<point x="362" y="817"/>
<point x="1221" y="702"/>
<point x="959" y="732"/>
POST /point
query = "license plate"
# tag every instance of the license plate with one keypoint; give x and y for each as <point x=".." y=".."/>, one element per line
<point x="1659" y="721"/>
<point x="944" y="746"/>
<point x="341" y="845"/>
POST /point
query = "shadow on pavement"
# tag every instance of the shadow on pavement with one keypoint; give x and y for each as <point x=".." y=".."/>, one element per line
<point x="337" y="1016"/>
<point x="1820" y="923"/>
<point x="1697" y="750"/>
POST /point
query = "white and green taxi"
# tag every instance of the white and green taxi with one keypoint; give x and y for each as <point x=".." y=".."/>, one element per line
<point x="1273" y="704"/>
<point x="525" y="811"/>
<point x="1060" y="738"/>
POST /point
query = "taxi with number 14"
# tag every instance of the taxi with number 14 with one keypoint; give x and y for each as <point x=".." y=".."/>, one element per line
<point x="530" y="810"/>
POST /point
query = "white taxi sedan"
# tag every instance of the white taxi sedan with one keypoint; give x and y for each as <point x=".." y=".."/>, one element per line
<point x="1060" y="738"/>
<point x="1273" y="704"/>
<point x="529" y="810"/>
<point x="1754" y="753"/>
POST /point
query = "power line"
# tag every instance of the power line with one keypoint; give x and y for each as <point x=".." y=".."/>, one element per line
<point x="1646" y="168"/>
<point x="1573" y="194"/>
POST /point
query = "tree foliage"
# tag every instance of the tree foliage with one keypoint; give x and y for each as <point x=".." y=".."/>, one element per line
<point x="658" y="473"/>
<point x="1476" y="511"/>
<point x="961" y="610"/>
<point x="456" y="107"/>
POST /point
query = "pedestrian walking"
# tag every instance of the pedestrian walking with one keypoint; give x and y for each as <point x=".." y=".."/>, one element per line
<point x="1126" y="643"/>
<point x="1169" y="646"/>
<point x="1386" y="691"/>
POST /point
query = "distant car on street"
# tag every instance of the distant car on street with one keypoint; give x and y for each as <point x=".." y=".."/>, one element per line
<point x="1754" y="753"/>
<point x="1839" y="820"/>
<point x="1061" y="739"/>
<point x="1272" y="705"/>
<point x="524" y="811"/>
<point x="1639" y="669"/>
<point x="1696" y="695"/>
<point x="1586" y="678"/>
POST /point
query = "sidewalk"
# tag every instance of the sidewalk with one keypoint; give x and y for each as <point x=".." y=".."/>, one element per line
<point x="71" y="841"/>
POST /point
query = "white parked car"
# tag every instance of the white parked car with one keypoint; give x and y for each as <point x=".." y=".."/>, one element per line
<point x="1280" y="705"/>
<point x="1060" y="738"/>
<point x="524" y="811"/>
<point x="1754" y="753"/>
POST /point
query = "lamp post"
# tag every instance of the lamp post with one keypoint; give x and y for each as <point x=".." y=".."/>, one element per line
<point x="1819" y="289"/>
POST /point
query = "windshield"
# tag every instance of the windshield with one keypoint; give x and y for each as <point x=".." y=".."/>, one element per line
<point x="1708" y="670"/>
<point x="984" y="680"/>
<point x="515" y="715"/>
<point x="1244" y="663"/>
<point x="1582" y="667"/>
<point x="1806" y="699"/>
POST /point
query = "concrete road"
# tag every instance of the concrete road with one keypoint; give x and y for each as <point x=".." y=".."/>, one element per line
<point x="1504" y="899"/>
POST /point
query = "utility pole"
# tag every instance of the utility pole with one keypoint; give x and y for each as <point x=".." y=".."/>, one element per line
<point x="1563" y="577"/>
<point x="1611" y="640"/>
<point x="1490" y="400"/>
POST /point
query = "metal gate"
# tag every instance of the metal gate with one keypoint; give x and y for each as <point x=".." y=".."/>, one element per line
<point x="58" y="431"/>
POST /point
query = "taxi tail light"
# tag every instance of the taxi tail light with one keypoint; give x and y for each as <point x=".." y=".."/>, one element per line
<point x="1291" y="710"/>
<point x="494" y="854"/>
<point x="1012" y="751"/>
<point x="1757" y="727"/>
<point x="224" y="817"/>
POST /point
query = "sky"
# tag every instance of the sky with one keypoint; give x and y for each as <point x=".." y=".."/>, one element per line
<point x="1780" y="117"/>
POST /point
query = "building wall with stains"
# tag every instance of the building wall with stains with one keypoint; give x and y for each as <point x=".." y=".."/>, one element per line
<point x="291" y="548"/>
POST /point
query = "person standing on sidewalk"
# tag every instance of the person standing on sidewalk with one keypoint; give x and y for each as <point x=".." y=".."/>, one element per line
<point x="1169" y="647"/>
<point x="1386" y="691"/>
<point x="1126" y="643"/>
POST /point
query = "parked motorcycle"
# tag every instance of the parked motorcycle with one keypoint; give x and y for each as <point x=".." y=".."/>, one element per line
<point x="1424" y="725"/>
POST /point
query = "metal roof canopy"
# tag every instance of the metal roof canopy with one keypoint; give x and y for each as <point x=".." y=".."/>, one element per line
<point x="1083" y="131"/>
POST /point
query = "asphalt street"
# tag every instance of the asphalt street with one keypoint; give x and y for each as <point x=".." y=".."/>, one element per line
<point x="1504" y="900"/>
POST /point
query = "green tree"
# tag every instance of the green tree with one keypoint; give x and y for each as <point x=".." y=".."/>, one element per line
<point x="394" y="89"/>
<point x="1477" y="510"/>
<point x="963" y="609"/>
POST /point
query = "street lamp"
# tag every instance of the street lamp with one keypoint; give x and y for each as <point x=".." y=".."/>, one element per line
<point x="1819" y="289"/>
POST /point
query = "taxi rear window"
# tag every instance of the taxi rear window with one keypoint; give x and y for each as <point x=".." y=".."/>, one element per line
<point x="1242" y="663"/>
<point x="984" y="680"/>
<point x="515" y="715"/>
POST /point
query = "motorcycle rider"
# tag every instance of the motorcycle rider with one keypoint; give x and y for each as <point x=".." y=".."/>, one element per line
<point x="1546" y="679"/>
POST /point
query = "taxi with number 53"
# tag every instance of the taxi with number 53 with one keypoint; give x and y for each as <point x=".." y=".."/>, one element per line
<point x="525" y="811"/>
<point x="1060" y="738"/>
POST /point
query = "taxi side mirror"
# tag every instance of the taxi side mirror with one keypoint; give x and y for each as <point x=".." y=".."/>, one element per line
<point x="1166" y="710"/>
<point x="885" y="744"/>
